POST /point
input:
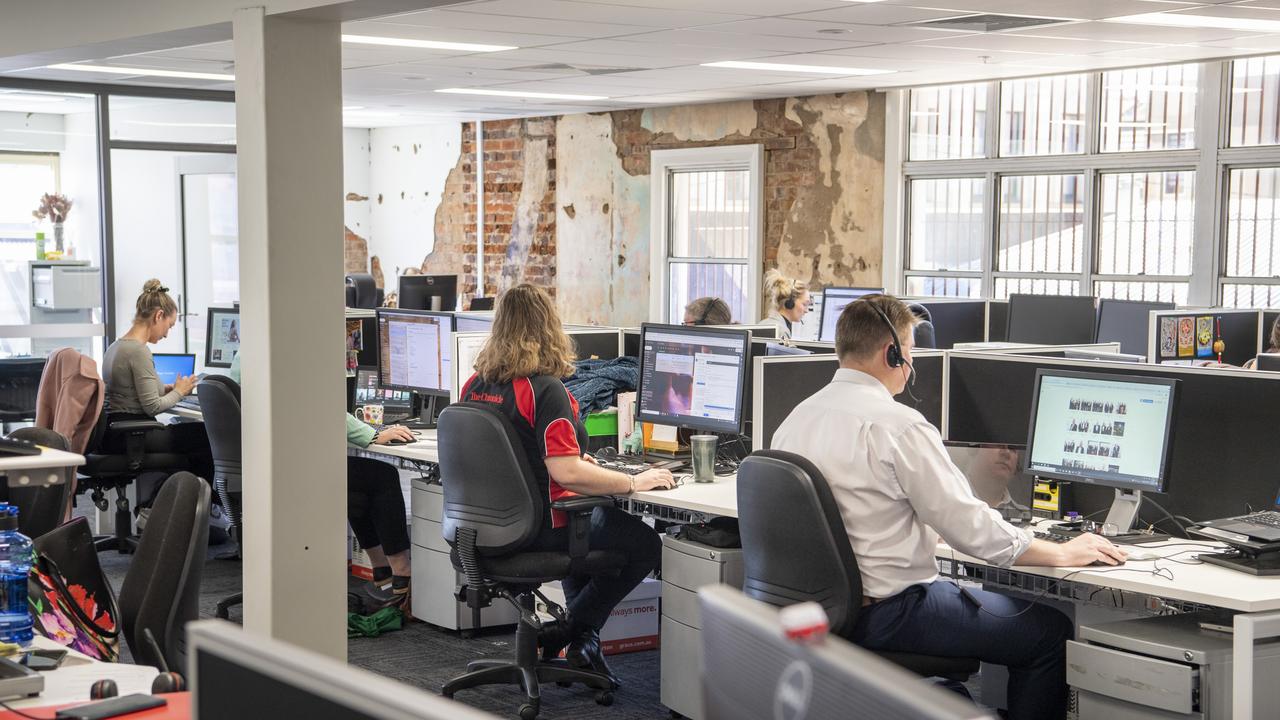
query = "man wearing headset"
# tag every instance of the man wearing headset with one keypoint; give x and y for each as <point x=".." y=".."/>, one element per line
<point x="898" y="491"/>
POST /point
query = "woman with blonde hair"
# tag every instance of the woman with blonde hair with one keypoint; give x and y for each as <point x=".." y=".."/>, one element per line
<point x="519" y="374"/>
<point x="788" y="300"/>
<point x="134" y="390"/>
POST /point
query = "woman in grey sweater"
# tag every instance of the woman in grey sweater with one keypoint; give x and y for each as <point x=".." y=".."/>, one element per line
<point x="134" y="390"/>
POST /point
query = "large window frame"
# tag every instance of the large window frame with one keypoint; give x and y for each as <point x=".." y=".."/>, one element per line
<point x="1211" y="161"/>
<point x="663" y="165"/>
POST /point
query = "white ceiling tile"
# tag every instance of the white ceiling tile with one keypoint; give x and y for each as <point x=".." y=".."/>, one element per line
<point x="1125" y="32"/>
<point x="1270" y="4"/>
<point x="475" y="21"/>
<point x="1164" y="53"/>
<point x="593" y="12"/>
<point x="1247" y="45"/>
<point x="1023" y="43"/>
<point x="1232" y="11"/>
<point x="485" y="37"/>
<point x="926" y="54"/>
<point x="745" y="7"/>
<point x="742" y="41"/>
<point x="877" y="14"/>
<point x="1074" y="9"/>
<point x="790" y="27"/>
<point x="618" y="51"/>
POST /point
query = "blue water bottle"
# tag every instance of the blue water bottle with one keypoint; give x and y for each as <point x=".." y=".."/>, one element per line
<point x="15" y="565"/>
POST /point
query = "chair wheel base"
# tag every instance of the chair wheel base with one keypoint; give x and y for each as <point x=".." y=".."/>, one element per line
<point x="529" y="711"/>
<point x="604" y="697"/>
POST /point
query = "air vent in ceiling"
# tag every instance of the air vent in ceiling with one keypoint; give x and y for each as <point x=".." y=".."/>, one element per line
<point x="987" y="23"/>
<point x="576" y="69"/>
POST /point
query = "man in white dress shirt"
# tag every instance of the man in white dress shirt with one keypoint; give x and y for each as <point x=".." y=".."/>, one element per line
<point x="898" y="491"/>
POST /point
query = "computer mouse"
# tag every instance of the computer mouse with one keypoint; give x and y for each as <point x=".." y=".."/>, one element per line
<point x="1139" y="554"/>
<point x="1100" y="563"/>
<point x="401" y="442"/>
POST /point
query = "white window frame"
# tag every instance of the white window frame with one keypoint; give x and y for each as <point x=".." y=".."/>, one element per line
<point x="663" y="163"/>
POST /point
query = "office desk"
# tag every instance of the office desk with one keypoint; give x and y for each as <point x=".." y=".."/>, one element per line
<point x="71" y="682"/>
<point x="420" y="455"/>
<point x="691" y="502"/>
<point x="1256" y="598"/>
<point x="50" y="466"/>
<point x="185" y="413"/>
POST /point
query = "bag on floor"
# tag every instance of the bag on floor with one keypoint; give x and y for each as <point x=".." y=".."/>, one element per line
<point x="71" y="599"/>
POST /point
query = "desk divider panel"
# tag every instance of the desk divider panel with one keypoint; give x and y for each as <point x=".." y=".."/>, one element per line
<point x="1224" y="453"/>
<point x="997" y="320"/>
<point x="1269" y="318"/>
<point x="955" y="320"/>
<point x="1178" y="336"/>
<point x="1050" y="350"/>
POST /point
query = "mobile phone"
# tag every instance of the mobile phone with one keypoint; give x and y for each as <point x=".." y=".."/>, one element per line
<point x="43" y="660"/>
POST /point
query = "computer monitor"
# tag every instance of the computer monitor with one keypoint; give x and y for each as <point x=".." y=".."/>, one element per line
<point x="1103" y="429"/>
<point x="368" y="391"/>
<point x="1127" y="322"/>
<point x="222" y="337"/>
<point x="481" y="303"/>
<point x="415" y="348"/>
<point x="1083" y="354"/>
<point x="757" y="673"/>
<point x="1268" y="361"/>
<point x="693" y="377"/>
<point x="473" y="323"/>
<point x="834" y="300"/>
<point x="428" y="292"/>
<point x="1051" y="319"/>
<point x="170" y="365"/>
<point x="233" y="674"/>
<point x="780" y="349"/>
<point x="996" y="476"/>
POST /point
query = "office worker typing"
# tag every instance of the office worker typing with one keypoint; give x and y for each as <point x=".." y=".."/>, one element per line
<point x="134" y="390"/>
<point x="898" y="492"/>
<point x="518" y="373"/>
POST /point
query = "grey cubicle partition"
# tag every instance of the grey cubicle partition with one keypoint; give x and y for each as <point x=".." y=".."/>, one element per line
<point x="1269" y="318"/>
<point x="759" y="346"/>
<point x="1175" y="336"/>
<point x="955" y="320"/>
<point x="997" y="320"/>
<point x="780" y="383"/>
<point x="1224" y="451"/>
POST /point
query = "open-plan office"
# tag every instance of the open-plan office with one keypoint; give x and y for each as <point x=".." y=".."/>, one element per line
<point x="830" y="359"/>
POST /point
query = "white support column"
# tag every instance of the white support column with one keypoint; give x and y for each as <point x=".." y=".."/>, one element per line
<point x="289" y="141"/>
<point x="1248" y="629"/>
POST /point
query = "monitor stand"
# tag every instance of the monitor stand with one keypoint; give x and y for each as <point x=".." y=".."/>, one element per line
<point x="427" y="419"/>
<point x="1123" y="513"/>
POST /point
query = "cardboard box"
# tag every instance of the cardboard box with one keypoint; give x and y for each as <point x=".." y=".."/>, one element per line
<point x="633" y="624"/>
<point x="359" y="563"/>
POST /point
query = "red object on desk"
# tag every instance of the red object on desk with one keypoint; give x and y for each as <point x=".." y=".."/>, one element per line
<point x="179" y="708"/>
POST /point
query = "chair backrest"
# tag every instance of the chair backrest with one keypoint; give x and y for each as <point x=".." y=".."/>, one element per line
<point x="40" y="508"/>
<point x="488" y="483"/>
<point x="795" y="548"/>
<point x="924" y="335"/>
<point x="161" y="590"/>
<point x="220" y="404"/>
<point x="19" y="384"/>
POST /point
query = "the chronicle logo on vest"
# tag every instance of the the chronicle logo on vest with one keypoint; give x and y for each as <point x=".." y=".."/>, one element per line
<point x="795" y="688"/>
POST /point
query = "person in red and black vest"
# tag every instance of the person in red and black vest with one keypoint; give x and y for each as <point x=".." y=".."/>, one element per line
<point x="519" y="374"/>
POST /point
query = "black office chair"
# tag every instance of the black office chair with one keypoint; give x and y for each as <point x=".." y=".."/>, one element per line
<point x="220" y="404"/>
<point x="19" y="385"/>
<point x="161" y="590"/>
<point x="796" y="549"/>
<point x="493" y="511"/>
<point x="103" y="471"/>
<point x="42" y="507"/>
<point x="924" y="335"/>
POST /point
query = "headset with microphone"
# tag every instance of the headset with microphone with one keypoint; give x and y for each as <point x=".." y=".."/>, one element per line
<point x="893" y="355"/>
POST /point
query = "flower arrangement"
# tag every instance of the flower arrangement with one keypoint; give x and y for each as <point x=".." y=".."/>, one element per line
<point x="53" y="206"/>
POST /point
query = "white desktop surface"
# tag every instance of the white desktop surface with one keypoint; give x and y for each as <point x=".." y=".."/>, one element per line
<point x="71" y="682"/>
<point x="424" y="450"/>
<point x="49" y="458"/>
<point x="185" y="413"/>
<point x="716" y="498"/>
<point x="1204" y="583"/>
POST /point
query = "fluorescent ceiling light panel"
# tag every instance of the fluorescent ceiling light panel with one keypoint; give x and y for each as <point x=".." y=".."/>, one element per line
<point x="150" y="72"/>
<point x="429" y="44"/>
<point x="520" y="94"/>
<point x="1187" y="20"/>
<point x="787" y="67"/>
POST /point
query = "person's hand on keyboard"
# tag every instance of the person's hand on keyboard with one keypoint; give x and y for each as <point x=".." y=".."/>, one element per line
<point x="184" y="385"/>
<point x="397" y="434"/>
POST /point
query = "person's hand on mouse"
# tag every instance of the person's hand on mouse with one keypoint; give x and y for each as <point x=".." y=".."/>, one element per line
<point x="1088" y="548"/>
<point x="655" y="478"/>
<point x="184" y="385"/>
<point x="392" y="433"/>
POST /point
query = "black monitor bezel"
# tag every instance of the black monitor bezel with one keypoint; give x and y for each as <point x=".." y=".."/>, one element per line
<point x="208" y="335"/>
<point x="443" y="280"/>
<point x="1267" y="359"/>
<point x="743" y="381"/>
<point x="822" y="316"/>
<point x="449" y="316"/>
<point x="1166" y="451"/>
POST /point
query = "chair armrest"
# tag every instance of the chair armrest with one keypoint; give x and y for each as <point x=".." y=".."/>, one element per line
<point x="135" y="432"/>
<point x="134" y="426"/>
<point x="579" y="509"/>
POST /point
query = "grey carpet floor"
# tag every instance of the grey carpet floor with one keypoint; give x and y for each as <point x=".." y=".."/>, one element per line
<point x="425" y="656"/>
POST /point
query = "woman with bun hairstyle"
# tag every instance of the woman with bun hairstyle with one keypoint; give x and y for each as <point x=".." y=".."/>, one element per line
<point x="788" y="300"/>
<point x="134" y="390"/>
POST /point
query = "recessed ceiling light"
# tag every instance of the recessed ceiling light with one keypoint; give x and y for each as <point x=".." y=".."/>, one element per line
<point x="150" y="72"/>
<point x="520" y="94"/>
<point x="787" y="67"/>
<point x="430" y="44"/>
<point x="1199" y="21"/>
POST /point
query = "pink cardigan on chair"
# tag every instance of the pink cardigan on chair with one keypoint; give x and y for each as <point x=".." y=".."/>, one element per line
<point x="70" y="397"/>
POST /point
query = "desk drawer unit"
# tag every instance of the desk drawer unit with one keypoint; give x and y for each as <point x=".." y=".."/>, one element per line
<point x="680" y="656"/>
<point x="1144" y="681"/>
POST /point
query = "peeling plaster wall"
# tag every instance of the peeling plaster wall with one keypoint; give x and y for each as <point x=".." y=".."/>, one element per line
<point x="355" y="206"/>
<point x="409" y="169"/>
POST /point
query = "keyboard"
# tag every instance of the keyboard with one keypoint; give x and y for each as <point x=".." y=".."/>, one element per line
<point x="1270" y="518"/>
<point x="14" y="446"/>
<point x="624" y="467"/>
<point x="190" y="402"/>
<point x="1052" y="537"/>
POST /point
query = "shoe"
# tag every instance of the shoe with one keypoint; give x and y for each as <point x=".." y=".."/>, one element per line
<point x="140" y="520"/>
<point x="584" y="653"/>
<point x="552" y="638"/>
<point x="385" y="594"/>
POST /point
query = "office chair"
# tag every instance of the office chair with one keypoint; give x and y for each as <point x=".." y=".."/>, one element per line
<point x="41" y="507"/>
<point x="19" y="385"/>
<point x="161" y="590"/>
<point x="924" y="335"/>
<point x="796" y="549"/>
<point x="493" y="511"/>
<point x="361" y="291"/>
<point x="220" y="404"/>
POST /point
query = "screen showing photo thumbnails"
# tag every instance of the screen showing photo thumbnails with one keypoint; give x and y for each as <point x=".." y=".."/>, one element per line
<point x="688" y="377"/>
<point x="415" y="349"/>
<point x="1101" y="429"/>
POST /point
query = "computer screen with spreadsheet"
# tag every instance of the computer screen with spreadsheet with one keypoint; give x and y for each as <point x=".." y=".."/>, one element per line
<point x="415" y="351"/>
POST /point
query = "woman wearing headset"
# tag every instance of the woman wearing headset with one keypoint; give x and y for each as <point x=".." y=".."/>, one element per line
<point x="788" y="299"/>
